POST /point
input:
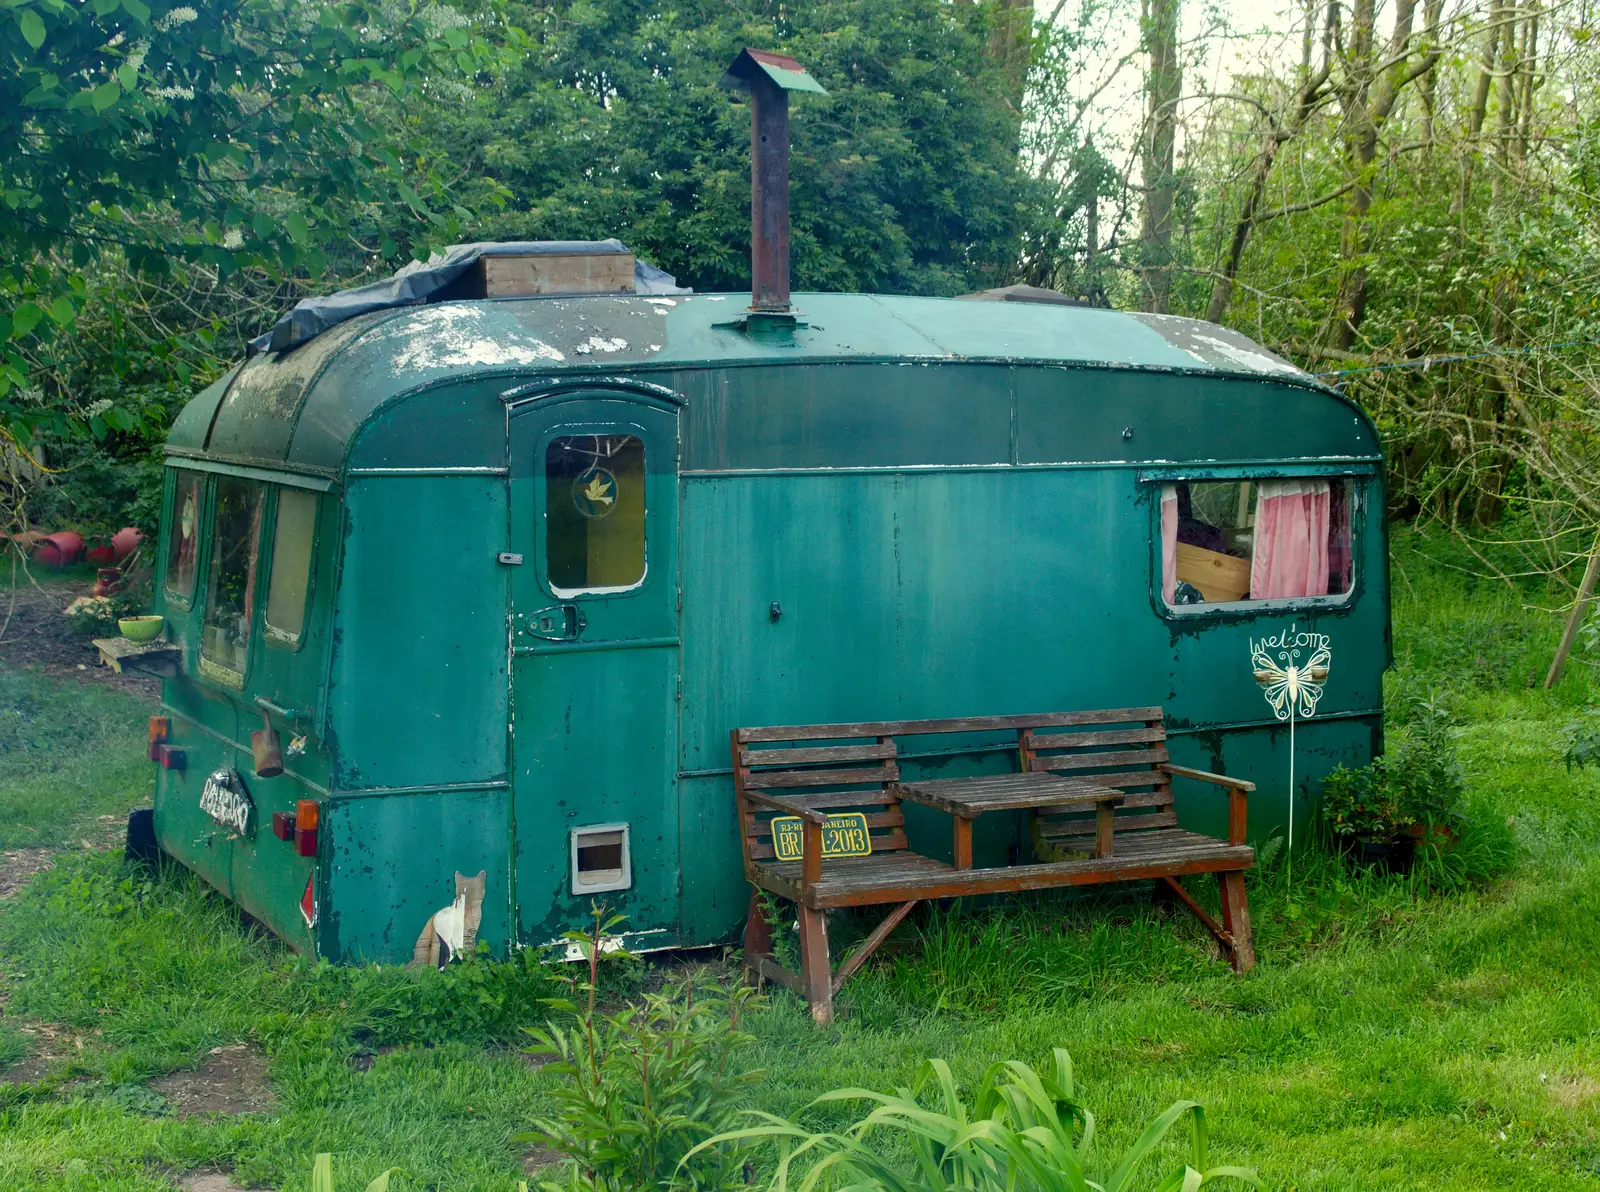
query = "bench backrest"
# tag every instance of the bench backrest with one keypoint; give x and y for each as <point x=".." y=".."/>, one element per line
<point x="825" y="767"/>
<point x="846" y="767"/>
<point x="1118" y="747"/>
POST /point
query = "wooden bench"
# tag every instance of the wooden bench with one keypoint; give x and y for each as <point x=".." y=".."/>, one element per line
<point x="810" y="772"/>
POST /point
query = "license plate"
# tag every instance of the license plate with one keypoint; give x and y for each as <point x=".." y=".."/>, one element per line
<point x="225" y="800"/>
<point x="844" y="835"/>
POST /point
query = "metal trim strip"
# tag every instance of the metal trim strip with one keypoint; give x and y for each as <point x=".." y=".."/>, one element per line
<point x="216" y="736"/>
<point x="442" y="788"/>
<point x="290" y="475"/>
<point x="1352" y="465"/>
<point x="637" y="643"/>
<point x="464" y="471"/>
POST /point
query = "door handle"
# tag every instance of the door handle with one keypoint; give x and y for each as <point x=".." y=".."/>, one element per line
<point x="559" y="623"/>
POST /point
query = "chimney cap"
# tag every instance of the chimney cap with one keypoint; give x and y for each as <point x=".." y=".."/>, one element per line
<point x="780" y="69"/>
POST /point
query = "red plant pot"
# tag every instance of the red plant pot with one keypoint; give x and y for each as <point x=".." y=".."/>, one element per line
<point x="61" y="549"/>
<point x="125" y="541"/>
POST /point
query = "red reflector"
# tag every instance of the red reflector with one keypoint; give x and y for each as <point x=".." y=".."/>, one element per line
<point x="169" y="757"/>
<point x="160" y="726"/>
<point x="307" y="812"/>
<point x="283" y="825"/>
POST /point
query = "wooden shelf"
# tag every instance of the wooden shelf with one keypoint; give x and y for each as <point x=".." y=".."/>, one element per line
<point x="159" y="657"/>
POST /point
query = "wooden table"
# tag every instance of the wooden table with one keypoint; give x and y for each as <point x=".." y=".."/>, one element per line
<point x="157" y="657"/>
<point x="968" y="798"/>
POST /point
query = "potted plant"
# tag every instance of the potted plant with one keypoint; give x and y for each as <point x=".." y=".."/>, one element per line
<point x="1379" y="812"/>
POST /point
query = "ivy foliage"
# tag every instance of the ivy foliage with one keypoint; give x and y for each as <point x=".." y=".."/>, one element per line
<point x="904" y="177"/>
<point x="145" y="138"/>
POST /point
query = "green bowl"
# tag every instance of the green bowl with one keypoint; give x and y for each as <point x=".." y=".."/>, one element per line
<point x="140" y="629"/>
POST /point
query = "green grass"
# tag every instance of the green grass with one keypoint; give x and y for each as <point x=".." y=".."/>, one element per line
<point x="1440" y="1031"/>
<point x="70" y="752"/>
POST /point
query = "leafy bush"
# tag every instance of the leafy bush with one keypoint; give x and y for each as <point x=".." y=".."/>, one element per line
<point x="1023" y="1130"/>
<point x="648" y="1085"/>
<point x="1416" y="781"/>
<point x="1583" y="743"/>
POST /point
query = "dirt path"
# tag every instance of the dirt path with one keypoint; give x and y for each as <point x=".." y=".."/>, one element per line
<point x="38" y="636"/>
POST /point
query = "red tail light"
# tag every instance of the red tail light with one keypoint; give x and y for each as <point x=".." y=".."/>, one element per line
<point x="169" y="757"/>
<point x="307" y="814"/>
<point x="283" y="825"/>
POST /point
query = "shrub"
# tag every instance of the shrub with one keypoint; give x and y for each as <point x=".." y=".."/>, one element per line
<point x="1416" y="781"/>
<point x="649" y="1085"/>
<point x="1023" y="1130"/>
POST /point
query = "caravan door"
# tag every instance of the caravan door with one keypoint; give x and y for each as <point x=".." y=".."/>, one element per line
<point x="594" y="644"/>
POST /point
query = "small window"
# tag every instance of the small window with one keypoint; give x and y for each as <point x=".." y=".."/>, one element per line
<point x="184" y="534"/>
<point x="594" y="513"/>
<point x="231" y="584"/>
<point x="1233" y="541"/>
<point x="292" y="540"/>
<point x="600" y="859"/>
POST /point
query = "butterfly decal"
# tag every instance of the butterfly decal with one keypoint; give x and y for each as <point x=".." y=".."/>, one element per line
<point x="1292" y="689"/>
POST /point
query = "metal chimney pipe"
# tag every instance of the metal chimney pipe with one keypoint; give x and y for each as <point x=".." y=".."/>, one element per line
<point x="769" y="196"/>
<point x="769" y="78"/>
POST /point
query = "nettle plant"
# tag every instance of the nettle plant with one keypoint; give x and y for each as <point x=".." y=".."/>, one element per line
<point x="1418" y="780"/>
<point x="648" y="1086"/>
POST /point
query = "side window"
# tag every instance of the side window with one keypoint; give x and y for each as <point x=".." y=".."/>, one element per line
<point x="1234" y="541"/>
<point x="183" y="544"/>
<point x="292" y="540"/>
<point x="231" y="582"/>
<point x="594" y="513"/>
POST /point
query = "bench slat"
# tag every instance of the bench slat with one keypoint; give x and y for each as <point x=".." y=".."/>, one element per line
<point x="824" y="753"/>
<point x="1160" y="798"/>
<point x="1099" y="761"/>
<point x="894" y="818"/>
<point x="969" y="724"/>
<point x="1054" y="829"/>
<point x="779" y="779"/>
<point x="824" y="800"/>
<point x="1121" y="736"/>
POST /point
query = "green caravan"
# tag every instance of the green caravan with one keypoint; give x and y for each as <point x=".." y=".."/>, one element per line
<point x="463" y="595"/>
<point x="503" y="574"/>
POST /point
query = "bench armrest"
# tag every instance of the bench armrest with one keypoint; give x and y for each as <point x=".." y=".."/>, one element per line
<point x="778" y="803"/>
<point x="1207" y="776"/>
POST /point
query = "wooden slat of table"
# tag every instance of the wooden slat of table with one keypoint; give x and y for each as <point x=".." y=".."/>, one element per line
<point x="969" y="797"/>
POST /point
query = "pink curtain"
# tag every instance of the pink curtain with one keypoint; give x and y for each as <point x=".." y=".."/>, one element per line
<point x="1169" y="543"/>
<point x="1290" y="556"/>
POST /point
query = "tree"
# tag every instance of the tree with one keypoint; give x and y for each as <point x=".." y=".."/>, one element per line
<point x="145" y="136"/>
<point x="904" y="177"/>
<point x="1163" y="89"/>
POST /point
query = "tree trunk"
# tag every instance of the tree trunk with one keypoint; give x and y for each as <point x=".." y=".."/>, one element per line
<point x="1163" y="87"/>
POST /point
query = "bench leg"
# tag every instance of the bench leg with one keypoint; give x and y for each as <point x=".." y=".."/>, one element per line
<point x="1236" y="920"/>
<point x="816" y="970"/>
<point x="757" y="932"/>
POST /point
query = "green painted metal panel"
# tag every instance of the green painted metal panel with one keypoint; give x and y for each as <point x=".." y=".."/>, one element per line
<point x="308" y="405"/>
<point x="193" y="422"/>
<point x="258" y="871"/>
<point x="457" y="426"/>
<point x="961" y="593"/>
<point x="595" y="717"/>
<point x="417" y="687"/>
<point x="256" y="418"/>
<point x="848" y="415"/>
<point x="391" y="861"/>
<point x="1066" y="415"/>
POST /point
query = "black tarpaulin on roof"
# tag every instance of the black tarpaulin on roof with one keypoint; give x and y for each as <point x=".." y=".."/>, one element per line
<point x="419" y="281"/>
